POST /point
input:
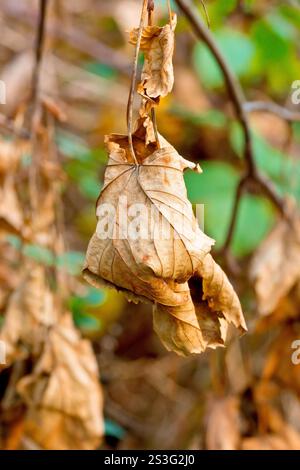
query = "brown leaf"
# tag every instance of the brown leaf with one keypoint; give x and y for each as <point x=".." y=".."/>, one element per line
<point x="282" y="437"/>
<point x="10" y="154"/>
<point x="169" y="251"/>
<point x="29" y="314"/>
<point x="63" y="393"/>
<point x="11" y="216"/>
<point x="275" y="267"/>
<point x="203" y="320"/>
<point x="223" y="424"/>
<point x="158" y="45"/>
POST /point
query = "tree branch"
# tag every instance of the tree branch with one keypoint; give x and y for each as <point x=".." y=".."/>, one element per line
<point x="274" y="108"/>
<point x="38" y="51"/>
<point x="237" y="97"/>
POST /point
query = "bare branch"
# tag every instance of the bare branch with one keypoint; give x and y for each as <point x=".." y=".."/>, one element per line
<point x="237" y="97"/>
<point x="38" y="52"/>
<point x="274" y="108"/>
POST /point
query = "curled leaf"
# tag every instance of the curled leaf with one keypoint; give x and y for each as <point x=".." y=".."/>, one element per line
<point x="158" y="45"/>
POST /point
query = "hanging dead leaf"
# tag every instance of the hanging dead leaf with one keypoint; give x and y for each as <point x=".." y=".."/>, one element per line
<point x="155" y="258"/>
<point x="63" y="393"/>
<point x="158" y="45"/>
<point x="275" y="267"/>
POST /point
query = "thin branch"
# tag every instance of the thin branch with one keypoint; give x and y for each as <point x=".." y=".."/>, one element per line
<point x="238" y="195"/>
<point x="38" y="52"/>
<point x="234" y="88"/>
<point x="36" y="105"/>
<point x="133" y="82"/>
<point x="273" y="108"/>
<point x="237" y="97"/>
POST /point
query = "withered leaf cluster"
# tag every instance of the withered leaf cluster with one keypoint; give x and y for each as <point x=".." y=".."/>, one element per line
<point x="58" y="383"/>
<point x="193" y="300"/>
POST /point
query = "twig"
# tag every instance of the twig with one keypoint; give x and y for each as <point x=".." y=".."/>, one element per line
<point x="237" y="97"/>
<point x="38" y="53"/>
<point x="133" y="82"/>
<point x="150" y="9"/>
<point x="36" y="104"/>
<point x="273" y="108"/>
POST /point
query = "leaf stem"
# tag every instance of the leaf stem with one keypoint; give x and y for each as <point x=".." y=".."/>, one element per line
<point x="133" y="83"/>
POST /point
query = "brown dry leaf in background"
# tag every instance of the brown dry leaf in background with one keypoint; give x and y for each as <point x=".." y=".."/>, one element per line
<point x="30" y="312"/>
<point x="275" y="267"/>
<point x="11" y="216"/>
<point x="170" y="248"/>
<point x="278" y="363"/>
<point x="10" y="154"/>
<point x="158" y="45"/>
<point x="282" y="436"/>
<point x="63" y="393"/>
<point x="223" y="424"/>
<point x="289" y="439"/>
<point x="17" y="76"/>
<point x="9" y="276"/>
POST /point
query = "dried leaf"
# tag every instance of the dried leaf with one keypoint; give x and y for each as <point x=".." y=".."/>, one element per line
<point x="10" y="155"/>
<point x="158" y="45"/>
<point x="282" y="437"/>
<point x="223" y="424"/>
<point x="11" y="216"/>
<point x="63" y="393"/>
<point x="169" y="250"/>
<point x="275" y="267"/>
<point x="29" y="314"/>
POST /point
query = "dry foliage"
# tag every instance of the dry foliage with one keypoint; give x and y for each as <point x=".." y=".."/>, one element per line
<point x="275" y="265"/>
<point x="57" y="383"/>
<point x="62" y="393"/>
